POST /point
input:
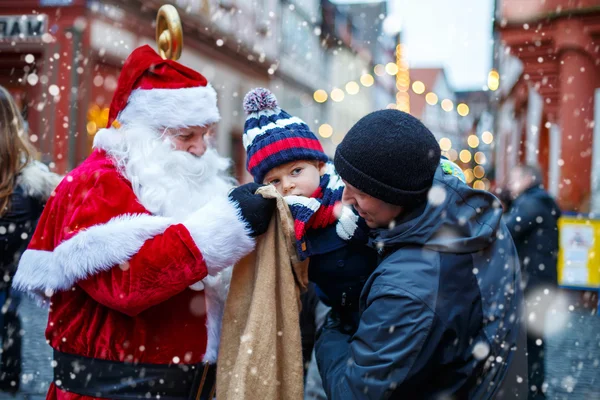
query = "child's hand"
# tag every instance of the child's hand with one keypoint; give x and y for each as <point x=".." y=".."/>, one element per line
<point x="256" y="210"/>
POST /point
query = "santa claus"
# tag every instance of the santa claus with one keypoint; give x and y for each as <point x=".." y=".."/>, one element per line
<point x="131" y="248"/>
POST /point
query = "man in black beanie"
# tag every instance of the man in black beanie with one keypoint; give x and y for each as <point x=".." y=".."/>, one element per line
<point x="441" y="313"/>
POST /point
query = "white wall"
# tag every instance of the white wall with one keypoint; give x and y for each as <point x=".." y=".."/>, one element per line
<point x="534" y="125"/>
<point x="554" y="168"/>
<point x="595" y="178"/>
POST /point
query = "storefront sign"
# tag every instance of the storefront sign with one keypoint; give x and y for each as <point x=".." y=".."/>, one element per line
<point x="579" y="252"/>
<point x="22" y="27"/>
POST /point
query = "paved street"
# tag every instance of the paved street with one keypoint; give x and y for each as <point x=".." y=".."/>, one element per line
<point x="37" y="372"/>
<point x="573" y="366"/>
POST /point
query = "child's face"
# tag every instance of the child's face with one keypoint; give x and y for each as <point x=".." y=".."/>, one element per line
<point x="296" y="178"/>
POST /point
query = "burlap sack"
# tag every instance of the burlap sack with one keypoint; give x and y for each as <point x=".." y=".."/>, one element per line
<point x="260" y="355"/>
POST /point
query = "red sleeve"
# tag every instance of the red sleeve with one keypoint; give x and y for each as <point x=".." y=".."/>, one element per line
<point x="94" y="233"/>
<point x="164" y="266"/>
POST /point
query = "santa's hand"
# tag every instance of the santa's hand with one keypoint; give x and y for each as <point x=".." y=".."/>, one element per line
<point x="255" y="209"/>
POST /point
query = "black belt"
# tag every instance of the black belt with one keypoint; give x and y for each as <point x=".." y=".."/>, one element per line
<point x="125" y="381"/>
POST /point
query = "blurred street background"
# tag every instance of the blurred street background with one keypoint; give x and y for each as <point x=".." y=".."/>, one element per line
<point x="499" y="82"/>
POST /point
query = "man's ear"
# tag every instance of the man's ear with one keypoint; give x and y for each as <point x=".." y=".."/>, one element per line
<point x="322" y="168"/>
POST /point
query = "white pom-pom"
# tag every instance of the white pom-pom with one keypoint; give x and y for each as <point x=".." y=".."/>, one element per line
<point x="259" y="99"/>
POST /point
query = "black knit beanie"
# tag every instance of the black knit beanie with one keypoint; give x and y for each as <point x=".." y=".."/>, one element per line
<point x="389" y="155"/>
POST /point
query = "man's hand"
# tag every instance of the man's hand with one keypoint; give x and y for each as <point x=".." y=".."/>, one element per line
<point x="256" y="210"/>
<point x="342" y="323"/>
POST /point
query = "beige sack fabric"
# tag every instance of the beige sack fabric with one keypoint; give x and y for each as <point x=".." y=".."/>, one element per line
<point x="260" y="355"/>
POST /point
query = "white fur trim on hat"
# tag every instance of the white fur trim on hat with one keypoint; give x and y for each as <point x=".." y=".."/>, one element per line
<point x="170" y="108"/>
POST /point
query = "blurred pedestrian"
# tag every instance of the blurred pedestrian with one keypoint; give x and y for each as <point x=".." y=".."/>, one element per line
<point x="532" y="220"/>
<point x="440" y="316"/>
<point x="25" y="185"/>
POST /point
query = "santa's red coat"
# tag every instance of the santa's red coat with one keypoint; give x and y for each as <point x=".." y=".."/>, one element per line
<point x="119" y="277"/>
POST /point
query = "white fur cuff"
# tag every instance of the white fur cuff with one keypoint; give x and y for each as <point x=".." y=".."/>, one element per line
<point x="38" y="181"/>
<point x="97" y="248"/>
<point x="220" y="234"/>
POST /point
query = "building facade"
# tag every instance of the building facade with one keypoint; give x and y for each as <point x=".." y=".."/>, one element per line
<point x="65" y="77"/>
<point x="460" y="121"/>
<point x="548" y="57"/>
<point x="61" y="60"/>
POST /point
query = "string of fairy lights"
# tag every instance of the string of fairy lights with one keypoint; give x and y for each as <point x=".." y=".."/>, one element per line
<point x="399" y="69"/>
<point x="97" y="117"/>
<point x="475" y="175"/>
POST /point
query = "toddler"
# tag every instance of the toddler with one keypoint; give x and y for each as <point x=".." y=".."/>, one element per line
<point x="283" y="152"/>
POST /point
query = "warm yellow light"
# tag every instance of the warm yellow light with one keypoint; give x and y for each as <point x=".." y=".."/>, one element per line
<point x="418" y="87"/>
<point x="402" y="82"/>
<point x="431" y="98"/>
<point x="91" y="128"/>
<point x="93" y="112"/>
<point x="479" y="172"/>
<point x="478" y="185"/>
<point x="445" y="144"/>
<point x="337" y="94"/>
<point x="469" y="175"/>
<point x="487" y="137"/>
<point x="486" y="182"/>
<point x="325" y="131"/>
<point x="403" y="101"/>
<point x="465" y="156"/>
<point x="367" y="80"/>
<point x="320" y="96"/>
<point x="402" y="96"/>
<point x="447" y="105"/>
<point x="462" y="109"/>
<point x="493" y="80"/>
<point x="452" y="154"/>
<point x="473" y="141"/>
<point x="104" y="116"/>
<point x="402" y="85"/>
<point x="391" y="68"/>
<point x="479" y="158"/>
<point x="379" y="70"/>
<point x="352" y="87"/>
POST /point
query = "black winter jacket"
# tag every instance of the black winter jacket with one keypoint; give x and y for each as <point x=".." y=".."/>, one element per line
<point x="34" y="186"/>
<point x="440" y="317"/>
<point x="533" y="224"/>
<point x="340" y="269"/>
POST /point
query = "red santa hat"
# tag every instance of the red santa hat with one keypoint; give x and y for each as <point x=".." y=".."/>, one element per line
<point x="161" y="93"/>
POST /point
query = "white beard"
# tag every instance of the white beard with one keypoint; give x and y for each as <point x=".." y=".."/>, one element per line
<point x="175" y="184"/>
<point x="168" y="182"/>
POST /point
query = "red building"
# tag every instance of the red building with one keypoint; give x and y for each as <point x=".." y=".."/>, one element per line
<point x="548" y="57"/>
<point x="61" y="60"/>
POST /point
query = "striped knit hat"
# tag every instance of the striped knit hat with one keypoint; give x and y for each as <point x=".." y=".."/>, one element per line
<point x="272" y="137"/>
